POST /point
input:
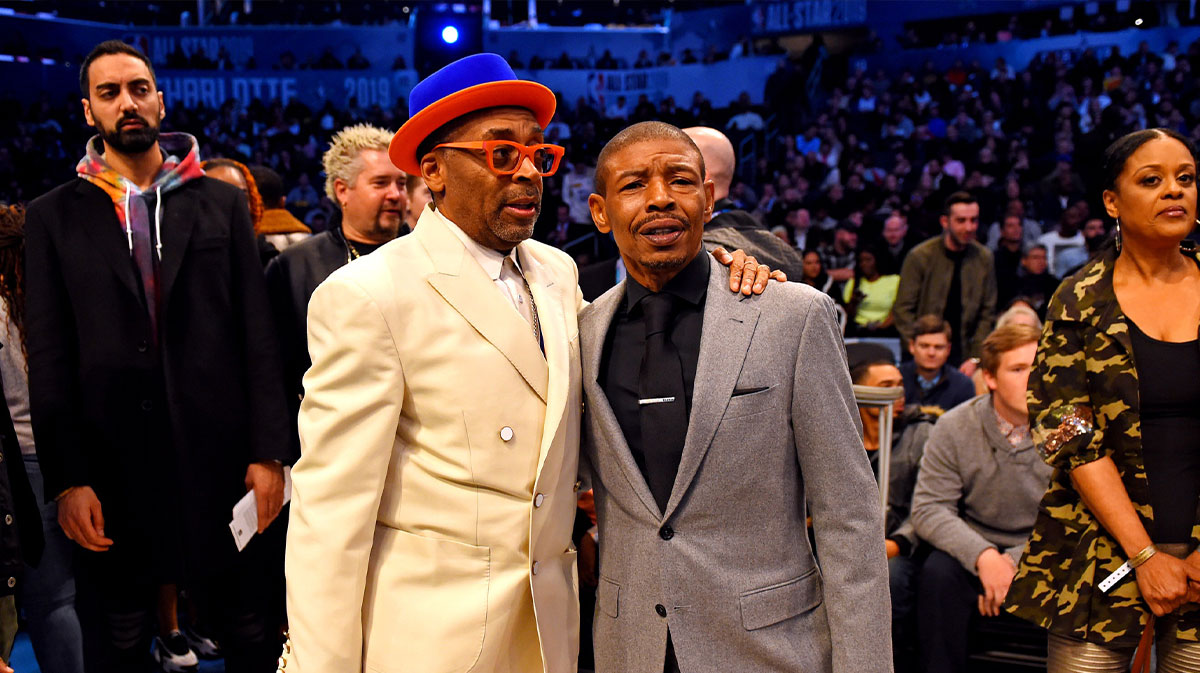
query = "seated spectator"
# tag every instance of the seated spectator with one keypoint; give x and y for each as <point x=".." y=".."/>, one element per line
<point x="975" y="501"/>
<point x="1007" y="253"/>
<point x="896" y="241"/>
<point x="400" y="64"/>
<point x="278" y="226"/>
<point x="838" y="256"/>
<point x="327" y="61"/>
<point x="303" y="196"/>
<point x="814" y="272"/>
<point x="929" y="380"/>
<point x="746" y="118"/>
<point x="1066" y="248"/>
<point x="1034" y="280"/>
<point x="869" y="297"/>
<point x="618" y="109"/>
<point x="799" y="223"/>
<point x="1018" y="313"/>
<point x="873" y="365"/>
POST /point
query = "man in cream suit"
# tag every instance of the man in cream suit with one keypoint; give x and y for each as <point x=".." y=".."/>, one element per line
<point x="704" y="451"/>
<point x="434" y="498"/>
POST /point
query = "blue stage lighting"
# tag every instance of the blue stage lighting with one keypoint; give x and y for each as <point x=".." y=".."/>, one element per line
<point x="450" y="35"/>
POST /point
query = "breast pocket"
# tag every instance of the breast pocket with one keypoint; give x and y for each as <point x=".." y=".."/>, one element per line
<point x="748" y="400"/>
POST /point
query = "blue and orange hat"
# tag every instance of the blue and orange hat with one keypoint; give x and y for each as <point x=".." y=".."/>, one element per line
<point x="464" y="86"/>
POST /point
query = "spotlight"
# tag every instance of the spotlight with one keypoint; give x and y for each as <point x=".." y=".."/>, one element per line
<point x="1137" y="22"/>
<point x="450" y="34"/>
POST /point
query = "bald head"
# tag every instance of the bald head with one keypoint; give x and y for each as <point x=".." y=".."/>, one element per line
<point x="718" y="154"/>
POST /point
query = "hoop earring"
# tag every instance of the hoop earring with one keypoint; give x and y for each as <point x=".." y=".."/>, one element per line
<point x="1117" y="238"/>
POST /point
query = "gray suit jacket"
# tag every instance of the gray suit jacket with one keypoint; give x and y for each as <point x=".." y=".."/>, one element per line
<point x="773" y="424"/>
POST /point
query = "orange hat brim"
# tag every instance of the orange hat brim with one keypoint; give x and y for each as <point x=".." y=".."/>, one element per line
<point x="508" y="93"/>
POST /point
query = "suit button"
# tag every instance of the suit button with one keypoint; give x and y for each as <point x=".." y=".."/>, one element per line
<point x="538" y="499"/>
<point x="147" y="405"/>
<point x="666" y="533"/>
<point x="12" y="582"/>
<point x="535" y="567"/>
<point x="143" y="346"/>
<point x="8" y="519"/>
<point x="506" y="433"/>
<point x="662" y="612"/>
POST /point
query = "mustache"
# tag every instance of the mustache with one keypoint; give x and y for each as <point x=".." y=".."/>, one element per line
<point x="654" y="218"/>
<point x="132" y="117"/>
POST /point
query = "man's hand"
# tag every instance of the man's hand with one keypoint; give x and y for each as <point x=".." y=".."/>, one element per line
<point x="968" y="367"/>
<point x="1167" y="583"/>
<point x="1193" y="560"/>
<point x="746" y="275"/>
<point x="588" y="558"/>
<point x="266" y="480"/>
<point x="996" y="571"/>
<point x="81" y="518"/>
<point x="4" y="668"/>
<point x="893" y="549"/>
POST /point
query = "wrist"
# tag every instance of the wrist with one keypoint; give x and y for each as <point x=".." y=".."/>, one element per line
<point x="1142" y="556"/>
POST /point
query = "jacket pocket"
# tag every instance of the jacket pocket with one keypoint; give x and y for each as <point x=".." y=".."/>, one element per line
<point x="426" y="603"/>
<point x="773" y="604"/>
<point x="607" y="594"/>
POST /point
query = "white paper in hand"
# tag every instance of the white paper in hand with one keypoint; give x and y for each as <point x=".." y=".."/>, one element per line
<point x="245" y="513"/>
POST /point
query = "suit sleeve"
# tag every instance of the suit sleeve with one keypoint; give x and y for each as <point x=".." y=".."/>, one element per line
<point x="268" y="405"/>
<point x="908" y="294"/>
<point x="348" y="420"/>
<point x="935" y="501"/>
<point x="56" y="401"/>
<point x="292" y="350"/>
<point x="843" y="497"/>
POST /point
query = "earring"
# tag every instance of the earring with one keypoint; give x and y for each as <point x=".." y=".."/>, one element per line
<point x="1117" y="236"/>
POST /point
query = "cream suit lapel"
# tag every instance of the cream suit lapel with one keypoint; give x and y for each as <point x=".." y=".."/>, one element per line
<point x="593" y="328"/>
<point x="724" y="340"/>
<point x="548" y="299"/>
<point x="464" y="285"/>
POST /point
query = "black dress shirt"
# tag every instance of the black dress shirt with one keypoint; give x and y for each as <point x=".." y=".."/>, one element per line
<point x="626" y="341"/>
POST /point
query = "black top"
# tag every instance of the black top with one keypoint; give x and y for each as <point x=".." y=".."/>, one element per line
<point x="954" y="305"/>
<point x="627" y="340"/>
<point x="1169" y="387"/>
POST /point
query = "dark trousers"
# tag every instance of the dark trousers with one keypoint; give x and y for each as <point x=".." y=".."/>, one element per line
<point x="118" y="616"/>
<point x="947" y="606"/>
<point x="903" y="573"/>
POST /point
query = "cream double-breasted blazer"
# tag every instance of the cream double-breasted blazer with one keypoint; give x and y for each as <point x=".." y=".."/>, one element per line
<point x="433" y="502"/>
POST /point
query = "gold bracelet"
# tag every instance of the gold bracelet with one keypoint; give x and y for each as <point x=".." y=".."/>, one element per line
<point x="1143" y="556"/>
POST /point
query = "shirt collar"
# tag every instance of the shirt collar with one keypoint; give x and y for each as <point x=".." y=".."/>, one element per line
<point x="492" y="261"/>
<point x="690" y="284"/>
<point x="1015" y="434"/>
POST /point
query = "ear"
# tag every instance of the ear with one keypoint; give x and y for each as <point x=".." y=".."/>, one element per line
<point x="87" y="111"/>
<point x="911" y="345"/>
<point x="162" y="107"/>
<point x="599" y="215"/>
<point x="989" y="380"/>
<point x="339" y="190"/>
<point x="1109" y="197"/>
<point x="710" y="195"/>
<point x="945" y="221"/>
<point x="431" y="172"/>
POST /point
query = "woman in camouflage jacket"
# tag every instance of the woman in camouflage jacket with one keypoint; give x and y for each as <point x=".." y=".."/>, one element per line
<point x="1084" y="402"/>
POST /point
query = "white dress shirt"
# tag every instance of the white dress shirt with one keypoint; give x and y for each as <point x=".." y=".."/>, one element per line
<point x="504" y="270"/>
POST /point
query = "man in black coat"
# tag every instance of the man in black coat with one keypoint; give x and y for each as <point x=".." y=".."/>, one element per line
<point x="155" y="380"/>
<point x="735" y="229"/>
<point x="372" y="200"/>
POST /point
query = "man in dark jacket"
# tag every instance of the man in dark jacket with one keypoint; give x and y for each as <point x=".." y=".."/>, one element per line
<point x="929" y="380"/>
<point x="953" y="277"/>
<point x="730" y="227"/>
<point x="371" y="196"/>
<point x="155" y="382"/>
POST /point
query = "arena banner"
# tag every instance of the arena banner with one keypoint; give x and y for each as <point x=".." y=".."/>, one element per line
<point x="799" y="16"/>
<point x="190" y="88"/>
<point x="720" y="82"/>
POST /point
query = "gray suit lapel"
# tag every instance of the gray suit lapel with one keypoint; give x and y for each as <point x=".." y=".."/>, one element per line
<point x="725" y="338"/>
<point x="594" y="324"/>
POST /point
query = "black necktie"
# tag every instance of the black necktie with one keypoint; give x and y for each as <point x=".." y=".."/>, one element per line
<point x="661" y="399"/>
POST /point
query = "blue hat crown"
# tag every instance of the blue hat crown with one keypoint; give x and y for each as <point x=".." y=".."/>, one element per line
<point x="461" y="74"/>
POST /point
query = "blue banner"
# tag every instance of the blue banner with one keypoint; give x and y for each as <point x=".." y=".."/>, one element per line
<point x="189" y="88"/>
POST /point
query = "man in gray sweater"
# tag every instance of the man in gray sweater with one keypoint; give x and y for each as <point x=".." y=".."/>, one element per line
<point x="975" y="502"/>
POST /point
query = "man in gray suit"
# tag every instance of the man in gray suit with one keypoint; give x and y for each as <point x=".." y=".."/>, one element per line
<point x="704" y="450"/>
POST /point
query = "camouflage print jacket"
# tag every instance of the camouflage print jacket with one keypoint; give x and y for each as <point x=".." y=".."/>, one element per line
<point x="1083" y="402"/>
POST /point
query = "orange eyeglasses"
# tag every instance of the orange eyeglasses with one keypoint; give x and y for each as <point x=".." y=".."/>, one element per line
<point x="504" y="157"/>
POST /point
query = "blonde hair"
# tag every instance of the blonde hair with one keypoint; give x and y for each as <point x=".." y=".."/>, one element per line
<point x="1019" y="310"/>
<point x="342" y="159"/>
<point x="1004" y="339"/>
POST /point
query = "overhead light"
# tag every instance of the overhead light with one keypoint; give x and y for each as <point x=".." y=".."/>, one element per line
<point x="1137" y="22"/>
<point x="450" y="35"/>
